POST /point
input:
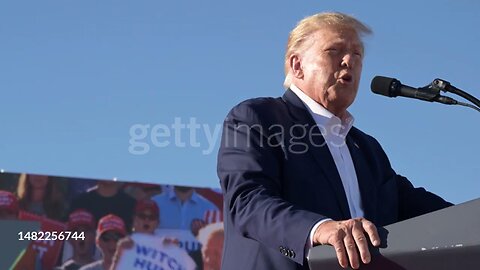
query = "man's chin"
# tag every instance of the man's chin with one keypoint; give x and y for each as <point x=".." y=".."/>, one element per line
<point x="345" y="98"/>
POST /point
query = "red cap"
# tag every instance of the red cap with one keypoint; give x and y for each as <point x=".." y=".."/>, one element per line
<point x="143" y="205"/>
<point x="111" y="223"/>
<point x="8" y="201"/>
<point x="81" y="217"/>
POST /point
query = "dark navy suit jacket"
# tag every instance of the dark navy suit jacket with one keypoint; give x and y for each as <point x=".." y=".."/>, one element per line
<point x="279" y="179"/>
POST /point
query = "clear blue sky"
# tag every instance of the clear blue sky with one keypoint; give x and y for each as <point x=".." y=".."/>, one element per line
<point x="76" y="76"/>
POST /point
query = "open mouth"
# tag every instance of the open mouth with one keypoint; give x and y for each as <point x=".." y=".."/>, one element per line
<point x="346" y="78"/>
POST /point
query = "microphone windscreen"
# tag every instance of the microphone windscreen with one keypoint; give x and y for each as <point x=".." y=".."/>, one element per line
<point x="382" y="85"/>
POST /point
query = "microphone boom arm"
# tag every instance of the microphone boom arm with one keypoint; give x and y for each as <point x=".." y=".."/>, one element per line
<point x="447" y="87"/>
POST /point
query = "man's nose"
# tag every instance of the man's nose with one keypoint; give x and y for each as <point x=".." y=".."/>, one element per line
<point x="349" y="60"/>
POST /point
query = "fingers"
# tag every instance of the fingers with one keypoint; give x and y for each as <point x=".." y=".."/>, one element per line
<point x="332" y="233"/>
<point x="340" y="251"/>
<point x="361" y="242"/>
<point x="349" y="239"/>
<point x="126" y="243"/>
<point x="171" y="241"/>
<point x="351" y="250"/>
<point x="129" y="243"/>
<point x="196" y="225"/>
<point x="371" y="230"/>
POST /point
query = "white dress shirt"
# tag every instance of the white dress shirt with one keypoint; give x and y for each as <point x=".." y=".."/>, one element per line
<point x="334" y="131"/>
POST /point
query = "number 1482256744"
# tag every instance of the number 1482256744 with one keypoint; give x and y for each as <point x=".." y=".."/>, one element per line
<point x="50" y="235"/>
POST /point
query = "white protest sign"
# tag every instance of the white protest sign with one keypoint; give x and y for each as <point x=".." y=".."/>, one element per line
<point x="185" y="237"/>
<point x="149" y="252"/>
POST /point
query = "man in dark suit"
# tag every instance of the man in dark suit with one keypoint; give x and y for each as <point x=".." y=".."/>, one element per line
<point x="295" y="172"/>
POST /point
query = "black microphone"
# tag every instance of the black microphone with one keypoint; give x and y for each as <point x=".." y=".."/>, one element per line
<point x="391" y="87"/>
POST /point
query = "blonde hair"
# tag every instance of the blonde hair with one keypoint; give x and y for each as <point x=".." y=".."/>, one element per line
<point x="299" y="38"/>
<point x="208" y="231"/>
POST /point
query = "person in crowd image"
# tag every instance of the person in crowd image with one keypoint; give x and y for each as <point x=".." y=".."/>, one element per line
<point x="212" y="194"/>
<point x="145" y="222"/>
<point x="81" y="221"/>
<point x="110" y="230"/>
<point x="9" y="207"/>
<point x="142" y="191"/>
<point x="41" y="196"/>
<point x="107" y="197"/>
<point x="212" y="237"/>
<point x="182" y="208"/>
<point x="296" y="173"/>
<point x="146" y="218"/>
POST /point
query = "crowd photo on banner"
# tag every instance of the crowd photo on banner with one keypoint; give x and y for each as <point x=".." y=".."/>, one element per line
<point x="92" y="224"/>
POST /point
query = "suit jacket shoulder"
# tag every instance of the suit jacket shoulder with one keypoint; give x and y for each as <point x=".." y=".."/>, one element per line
<point x="262" y="110"/>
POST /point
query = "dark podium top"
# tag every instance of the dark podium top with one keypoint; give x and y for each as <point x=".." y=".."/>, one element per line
<point x="444" y="239"/>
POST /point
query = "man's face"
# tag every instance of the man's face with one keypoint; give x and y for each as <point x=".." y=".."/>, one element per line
<point x="331" y="68"/>
<point x="107" y="243"/>
<point x="145" y="222"/>
<point x="86" y="246"/>
<point x="212" y="253"/>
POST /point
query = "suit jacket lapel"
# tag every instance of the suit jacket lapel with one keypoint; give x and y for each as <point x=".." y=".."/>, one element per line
<point x="318" y="148"/>
<point x="364" y="177"/>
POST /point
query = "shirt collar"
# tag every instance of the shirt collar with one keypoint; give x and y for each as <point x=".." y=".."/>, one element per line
<point x="172" y="196"/>
<point x="323" y="117"/>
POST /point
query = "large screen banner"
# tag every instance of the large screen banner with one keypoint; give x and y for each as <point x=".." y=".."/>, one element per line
<point x="105" y="224"/>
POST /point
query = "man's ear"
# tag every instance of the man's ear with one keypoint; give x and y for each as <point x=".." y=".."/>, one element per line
<point x="296" y="66"/>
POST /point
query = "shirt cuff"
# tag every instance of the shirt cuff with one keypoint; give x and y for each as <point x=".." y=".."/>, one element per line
<point x="309" y="243"/>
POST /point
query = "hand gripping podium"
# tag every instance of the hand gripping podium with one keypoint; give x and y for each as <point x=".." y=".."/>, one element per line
<point x="444" y="239"/>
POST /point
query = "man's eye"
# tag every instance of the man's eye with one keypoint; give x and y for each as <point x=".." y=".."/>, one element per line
<point x="358" y="52"/>
<point x="332" y="50"/>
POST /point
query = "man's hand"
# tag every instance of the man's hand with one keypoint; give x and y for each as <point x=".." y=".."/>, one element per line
<point x="123" y="244"/>
<point x="348" y="238"/>
<point x="171" y="241"/>
<point x="196" y="225"/>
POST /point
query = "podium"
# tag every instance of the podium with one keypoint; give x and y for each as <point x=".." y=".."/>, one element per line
<point x="444" y="239"/>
